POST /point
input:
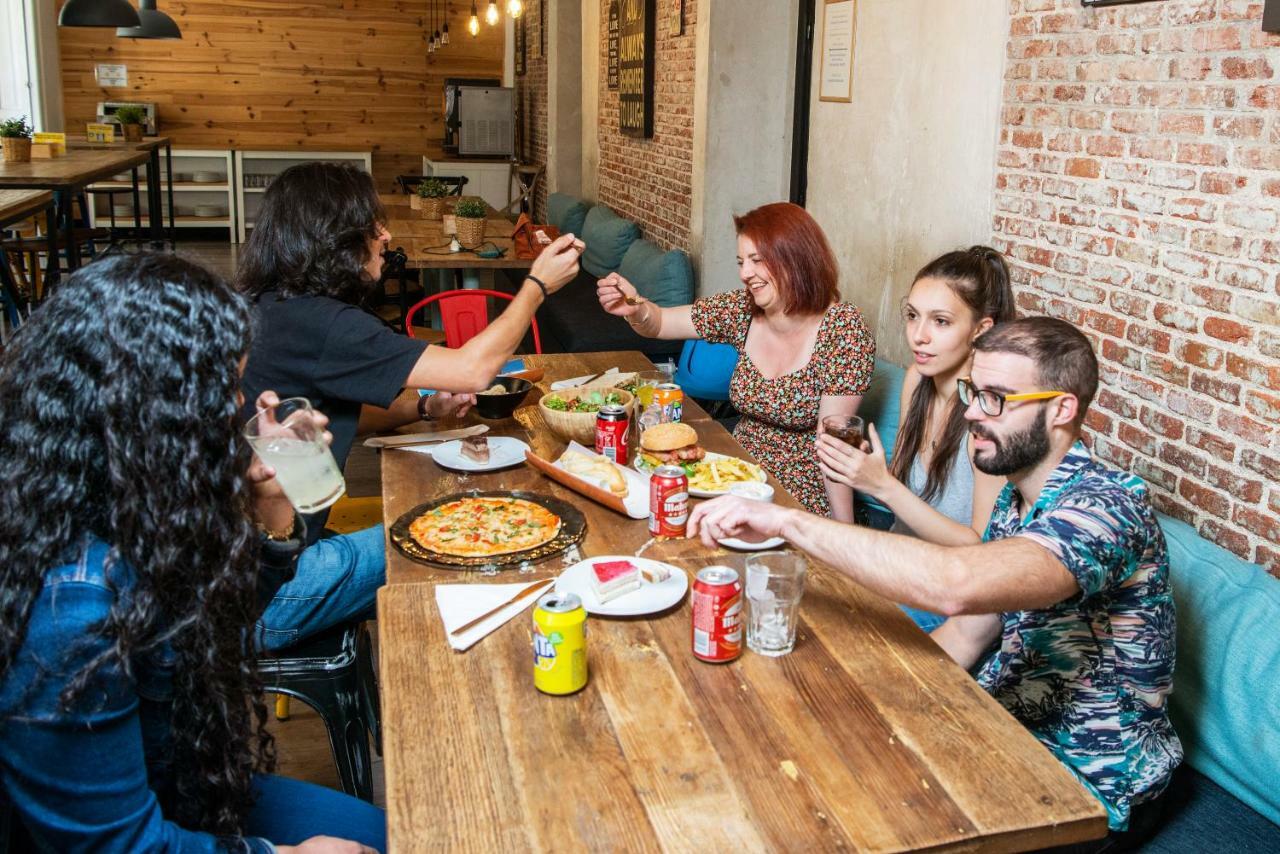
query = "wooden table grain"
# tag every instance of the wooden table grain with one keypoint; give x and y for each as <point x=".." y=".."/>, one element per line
<point x="866" y="737"/>
<point x="426" y="244"/>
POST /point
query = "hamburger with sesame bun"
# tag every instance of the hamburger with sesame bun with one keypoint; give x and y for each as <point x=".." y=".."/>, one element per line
<point x="671" y="443"/>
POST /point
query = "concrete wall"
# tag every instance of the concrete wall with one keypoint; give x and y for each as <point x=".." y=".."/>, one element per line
<point x="744" y="86"/>
<point x="906" y="171"/>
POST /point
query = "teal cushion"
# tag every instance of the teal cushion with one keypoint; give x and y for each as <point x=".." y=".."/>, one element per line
<point x="608" y="236"/>
<point x="1226" y="698"/>
<point x="567" y="213"/>
<point x="664" y="277"/>
<point x="880" y="404"/>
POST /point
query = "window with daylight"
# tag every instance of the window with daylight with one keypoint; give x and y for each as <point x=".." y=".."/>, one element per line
<point x="15" y="70"/>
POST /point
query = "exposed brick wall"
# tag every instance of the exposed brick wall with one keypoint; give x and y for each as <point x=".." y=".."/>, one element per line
<point x="531" y="90"/>
<point x="1138" y="195"/>
<point x="649" y="181"/>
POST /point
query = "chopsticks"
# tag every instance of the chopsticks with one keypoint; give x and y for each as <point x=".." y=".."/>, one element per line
<point x="537" y="587"/>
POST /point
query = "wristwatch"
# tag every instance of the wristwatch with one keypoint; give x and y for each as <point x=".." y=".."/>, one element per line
<point x="423" y="401"/>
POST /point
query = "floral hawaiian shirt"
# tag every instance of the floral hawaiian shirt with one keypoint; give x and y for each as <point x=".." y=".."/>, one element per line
<point x="1090" y="676"/>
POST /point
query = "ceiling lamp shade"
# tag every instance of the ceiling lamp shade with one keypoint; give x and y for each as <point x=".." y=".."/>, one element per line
<point x="98" y="13"/>
<point x="155" y="24"/>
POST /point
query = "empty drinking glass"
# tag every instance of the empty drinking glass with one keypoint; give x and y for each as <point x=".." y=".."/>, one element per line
<point x="775" y="583"/>
<point x="285" y="437"/>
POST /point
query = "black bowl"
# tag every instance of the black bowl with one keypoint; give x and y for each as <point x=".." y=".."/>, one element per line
<point x="503" y="405"/>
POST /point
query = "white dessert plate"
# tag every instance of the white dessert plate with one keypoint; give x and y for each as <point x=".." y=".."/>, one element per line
<point x="647" y="600"/>
<point x="504" y="451"/>
<point x="744" y="546"/>
<point x="696" y="490"/>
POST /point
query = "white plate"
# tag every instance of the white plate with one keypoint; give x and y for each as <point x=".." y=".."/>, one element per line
<point x="647" y="600"/>
<point x="640" y="465"/>
<point x="504" y="451"/>
<point x="744" y="546"/>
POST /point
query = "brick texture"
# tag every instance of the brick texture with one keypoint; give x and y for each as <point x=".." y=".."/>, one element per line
<point x="1138" y="196"/>
<point x="649" y="181"/>
<point x="531" y="92"/>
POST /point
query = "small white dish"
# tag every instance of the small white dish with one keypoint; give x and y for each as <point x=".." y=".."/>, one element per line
<point x="207" y="178"/>
<point x="504" y="451"/>
<point x="744" y="546"/>
<point x="649" y="599"/>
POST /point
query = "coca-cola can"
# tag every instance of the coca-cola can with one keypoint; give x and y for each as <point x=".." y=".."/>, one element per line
<point x="613" y="433"/>
<point x="668" y="502"/>
<point x="717" y="615"/>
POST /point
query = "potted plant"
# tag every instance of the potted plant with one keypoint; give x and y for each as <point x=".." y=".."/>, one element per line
<point x="131" y="118"/>
<point x="429" y="199"/>
<point x="16" y="135"/>
<point x="469" y="216"/>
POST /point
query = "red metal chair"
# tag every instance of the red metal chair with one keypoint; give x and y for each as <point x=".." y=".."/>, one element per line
<point x="465" y="313"/>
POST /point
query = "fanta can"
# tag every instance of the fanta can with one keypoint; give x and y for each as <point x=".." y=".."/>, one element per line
<point x="559" y="644"/>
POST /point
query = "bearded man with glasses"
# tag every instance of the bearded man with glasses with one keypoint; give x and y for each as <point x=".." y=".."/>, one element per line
<point x="1064" y="611"/>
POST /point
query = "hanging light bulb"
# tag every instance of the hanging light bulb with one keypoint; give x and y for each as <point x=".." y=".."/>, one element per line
<point x="473" y="24"/>
<point x="515" y="8"/>
<point x="444" y="35"/>
<point x="491" y="14"/>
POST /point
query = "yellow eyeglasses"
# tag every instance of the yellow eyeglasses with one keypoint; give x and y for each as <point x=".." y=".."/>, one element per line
<point x="992" y="402"/>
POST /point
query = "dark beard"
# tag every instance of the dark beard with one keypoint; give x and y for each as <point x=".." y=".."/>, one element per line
<point x="1013" y="453"/>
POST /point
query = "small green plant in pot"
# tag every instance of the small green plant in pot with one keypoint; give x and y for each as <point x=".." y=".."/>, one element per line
<point x="429" y="199"/>
<point x="16" y="137"/>
<point x="131" y="118"/>
<point x="469" y="215"/>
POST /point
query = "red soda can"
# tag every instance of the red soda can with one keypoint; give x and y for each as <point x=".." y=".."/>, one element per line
<point x="717" y="615"/>
<point x="613" y="433"/>
<point x="668" y="502"/>
<point x="671" y="398"/>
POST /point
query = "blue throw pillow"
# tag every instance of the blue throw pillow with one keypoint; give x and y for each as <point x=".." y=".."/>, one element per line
<point x="880" y="405"/>
<point x="608" y="236"/>
<point x="1226" y="683"/>
<point x="664" y="277"/>
<point x="567" y="213"/>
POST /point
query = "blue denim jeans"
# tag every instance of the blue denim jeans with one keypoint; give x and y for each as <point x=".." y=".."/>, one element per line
<point x="289" y="811"/>
<point x="337" y="580"/>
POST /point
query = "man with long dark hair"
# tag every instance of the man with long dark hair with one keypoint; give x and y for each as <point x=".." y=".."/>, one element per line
<point x="131" y="712"/>
<point x="314" y="256"/>
<point x="1071" y="585"/>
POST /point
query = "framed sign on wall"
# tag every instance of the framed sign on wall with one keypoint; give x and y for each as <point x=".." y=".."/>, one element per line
<point x="520" y="47"/>
<point x="839" y="23"/>
<point x="677" y="17"/>
<point x="612" y="75"/>
<point x="635" y="67"/>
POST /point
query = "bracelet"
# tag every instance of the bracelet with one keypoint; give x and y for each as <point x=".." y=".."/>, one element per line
<point x="279" y="536"/>
<point x="644" y="320"/>
<point x="423" y="402"/>
<point x="539" y="283"/>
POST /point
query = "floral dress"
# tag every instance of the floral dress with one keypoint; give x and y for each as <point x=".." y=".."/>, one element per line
<point x="780" y="416"/>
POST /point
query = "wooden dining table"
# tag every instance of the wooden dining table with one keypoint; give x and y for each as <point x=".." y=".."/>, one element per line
<point x="155" y="198"/>
<point x="865" y="737"/>
<point x="426" y="241"/>
<point x="17" y="206"/>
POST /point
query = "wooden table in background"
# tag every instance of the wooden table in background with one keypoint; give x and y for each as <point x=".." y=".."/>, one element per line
<point x="151" y="145"/>
<point x="15" y="206"/>
<point x="865" y="737"/>
<point x="427" y="246"/>
<point x="70" y="173"/>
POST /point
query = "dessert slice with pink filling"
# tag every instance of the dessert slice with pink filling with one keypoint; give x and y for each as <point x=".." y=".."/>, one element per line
<point x="613" y="578"/>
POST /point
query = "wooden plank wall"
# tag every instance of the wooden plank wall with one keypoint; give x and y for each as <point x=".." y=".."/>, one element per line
<point x="327" y="74"/>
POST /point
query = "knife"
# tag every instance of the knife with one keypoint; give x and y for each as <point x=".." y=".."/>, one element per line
<point x="403" y="439"/>
<point x="536" y="587"/>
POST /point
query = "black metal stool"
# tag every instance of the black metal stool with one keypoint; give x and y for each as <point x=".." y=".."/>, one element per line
<point x="332" y="672"/>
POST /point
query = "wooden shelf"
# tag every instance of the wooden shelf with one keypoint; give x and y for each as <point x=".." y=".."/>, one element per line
<point x="142" y="187"/>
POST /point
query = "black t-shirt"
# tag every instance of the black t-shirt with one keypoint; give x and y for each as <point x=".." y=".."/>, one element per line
<point x="336" y="355"/>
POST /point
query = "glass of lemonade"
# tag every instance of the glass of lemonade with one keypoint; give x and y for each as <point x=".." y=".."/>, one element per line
<point x="775" y="583"/>
<point x="646" y="381"/>
<point x="285" y="437"/>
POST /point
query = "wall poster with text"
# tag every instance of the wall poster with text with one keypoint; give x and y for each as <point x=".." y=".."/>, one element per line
<point x="635" y="67"/>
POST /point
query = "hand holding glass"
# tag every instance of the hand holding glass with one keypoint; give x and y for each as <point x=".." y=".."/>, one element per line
<point x="847" y="428"/>
<point x="775" y="583"/>
<point x="286" y="438"/>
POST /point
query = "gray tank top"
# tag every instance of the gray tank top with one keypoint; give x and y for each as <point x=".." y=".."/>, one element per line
<point x="954" y="500"/>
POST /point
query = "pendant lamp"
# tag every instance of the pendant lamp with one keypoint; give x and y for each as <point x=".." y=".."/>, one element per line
<point x="98" y="13"/>
<point x="155" y="24"/>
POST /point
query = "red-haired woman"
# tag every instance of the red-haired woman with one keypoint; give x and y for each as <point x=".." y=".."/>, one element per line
<point x="803" y="353"/>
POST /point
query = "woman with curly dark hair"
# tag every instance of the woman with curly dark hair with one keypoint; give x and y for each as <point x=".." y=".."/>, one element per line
<point x="131" y="571"/>
<point x="314" y="257"/>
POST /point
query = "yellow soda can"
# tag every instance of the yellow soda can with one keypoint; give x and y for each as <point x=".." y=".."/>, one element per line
<point x="559" y="644"/>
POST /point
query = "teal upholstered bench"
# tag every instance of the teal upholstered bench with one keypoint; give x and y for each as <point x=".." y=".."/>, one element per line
<point x="880" y="406"/>
<point x="572" y="320"/>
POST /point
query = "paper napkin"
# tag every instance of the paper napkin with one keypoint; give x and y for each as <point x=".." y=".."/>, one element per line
<point x="459" y="604"/>
<point x="573" y="382"/>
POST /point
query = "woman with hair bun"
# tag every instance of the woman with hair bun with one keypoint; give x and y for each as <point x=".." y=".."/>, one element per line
<point x="139" y="541"/>
<point x="932" y="487"/>
<point x="803" y="354"/>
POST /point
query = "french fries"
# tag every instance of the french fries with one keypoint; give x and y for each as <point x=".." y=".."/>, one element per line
<point x="715" y="474"/>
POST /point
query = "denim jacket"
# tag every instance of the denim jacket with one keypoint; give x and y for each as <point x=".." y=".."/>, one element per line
<point x="86" y="779"/>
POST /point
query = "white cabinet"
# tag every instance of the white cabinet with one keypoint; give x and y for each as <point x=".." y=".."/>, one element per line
<point x="202" y="192"/>
<point x="256" y="169"/>
<point x="488" y="179"/>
